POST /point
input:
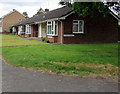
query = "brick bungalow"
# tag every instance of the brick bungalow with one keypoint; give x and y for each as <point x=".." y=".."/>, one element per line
<point x="27" y="27"/>
<point x="10" y="19"/>
<point x="64" y="26"/>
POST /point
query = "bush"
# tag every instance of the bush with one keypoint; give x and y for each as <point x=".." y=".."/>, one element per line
<point x="5" y="31"/>
<point x="45" y="40"/>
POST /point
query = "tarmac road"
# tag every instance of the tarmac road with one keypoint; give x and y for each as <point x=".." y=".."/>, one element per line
<point x="16" y="79"/>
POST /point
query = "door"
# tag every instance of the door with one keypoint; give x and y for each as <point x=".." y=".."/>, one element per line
<point x="35" y="32"/>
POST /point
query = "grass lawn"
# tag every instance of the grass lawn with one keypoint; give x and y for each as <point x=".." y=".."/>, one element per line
<point x="12" y="40"/>
<point x="83" y="59"/>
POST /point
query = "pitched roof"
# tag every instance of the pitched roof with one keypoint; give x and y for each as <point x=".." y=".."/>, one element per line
<point x="57" y="13"/>
<point x="12" y="12"/>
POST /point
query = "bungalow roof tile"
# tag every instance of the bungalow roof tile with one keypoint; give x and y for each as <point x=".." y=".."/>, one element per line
<point x="57" y="13"/>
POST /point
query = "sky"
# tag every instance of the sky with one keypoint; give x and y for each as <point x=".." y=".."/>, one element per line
<point x="29" y="6"/>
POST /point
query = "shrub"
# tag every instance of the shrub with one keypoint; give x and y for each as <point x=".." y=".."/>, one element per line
<point x="45" y="40"/>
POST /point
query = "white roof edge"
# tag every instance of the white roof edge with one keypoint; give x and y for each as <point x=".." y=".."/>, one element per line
<point x="115" y="16"/>
<point x="46" y="20"/>
<point x="64" y="17"/>
<point x="61" y="18"/>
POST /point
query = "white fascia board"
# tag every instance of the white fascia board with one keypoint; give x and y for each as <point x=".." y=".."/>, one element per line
<point x="47" y="20"/>
<point x="115" y="16"/>
<point x="61" y="18"/>
<point x="64" y="17"/>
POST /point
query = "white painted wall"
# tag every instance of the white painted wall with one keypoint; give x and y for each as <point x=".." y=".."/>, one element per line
<point x="0" y="29"/>
<point x="13" y="29"/>
<point x="19" y="30"/>
<point x="39" y="30"/>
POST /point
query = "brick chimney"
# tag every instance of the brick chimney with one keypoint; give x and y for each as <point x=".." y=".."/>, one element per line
<point x="14" y="10"/>
<point x="46" y="10"/>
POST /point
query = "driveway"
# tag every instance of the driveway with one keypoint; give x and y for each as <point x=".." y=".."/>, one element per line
<point x="21" y="80"/>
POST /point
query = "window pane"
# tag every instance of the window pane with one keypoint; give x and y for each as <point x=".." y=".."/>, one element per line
<point x="75" y="27"/>
<point x="52" y="25"/>
<point x="52" y="32"/>
<point x="56" y="28"/>
<point x="49" y="29"/>
<point x="80" y="26"/>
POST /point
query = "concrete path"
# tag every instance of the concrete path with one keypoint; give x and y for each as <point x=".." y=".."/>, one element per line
<point x="21" y="80"/>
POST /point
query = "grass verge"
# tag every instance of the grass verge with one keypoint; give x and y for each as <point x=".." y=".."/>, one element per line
<point x="86" y="59"/>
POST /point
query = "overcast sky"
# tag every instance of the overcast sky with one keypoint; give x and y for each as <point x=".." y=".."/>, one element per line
<point x="29" y="6"/>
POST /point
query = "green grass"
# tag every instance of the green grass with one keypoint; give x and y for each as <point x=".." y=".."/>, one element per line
<point x="8" y="37"/>
<point x="12" y="40"/>
<point x="83" y="59"/>
<point x="46" y="56"/>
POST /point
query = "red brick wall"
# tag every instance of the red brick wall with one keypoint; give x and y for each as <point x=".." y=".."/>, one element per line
<point x="60" y="32"/>
<point x="96" y="30"/>
<point x="27" y="35"/>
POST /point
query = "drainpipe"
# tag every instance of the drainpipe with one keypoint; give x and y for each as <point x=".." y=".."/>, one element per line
<point x="61" y="32"/>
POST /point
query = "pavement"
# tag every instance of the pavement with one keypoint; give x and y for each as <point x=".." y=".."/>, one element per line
<point x="16" y="79"/>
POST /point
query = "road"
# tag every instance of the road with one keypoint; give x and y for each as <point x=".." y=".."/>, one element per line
<point x="16" y="79"/>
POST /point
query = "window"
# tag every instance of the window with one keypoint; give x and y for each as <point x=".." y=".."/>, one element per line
<point x="78" y="26"/>
<point x="28" y="29"/>
<point x="52" y="28"/>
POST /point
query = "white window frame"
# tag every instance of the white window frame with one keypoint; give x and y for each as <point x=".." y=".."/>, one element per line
<point x="28" y="29"/>
<point x="52" y="24"/>
<point x="79" y="27"/>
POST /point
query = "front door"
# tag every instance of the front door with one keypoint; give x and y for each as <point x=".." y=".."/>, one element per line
<point x="35" y="30"/>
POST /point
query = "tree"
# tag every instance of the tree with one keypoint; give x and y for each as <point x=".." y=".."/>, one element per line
<point x="25" y="13"/>
<point x="90" y="8"/>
